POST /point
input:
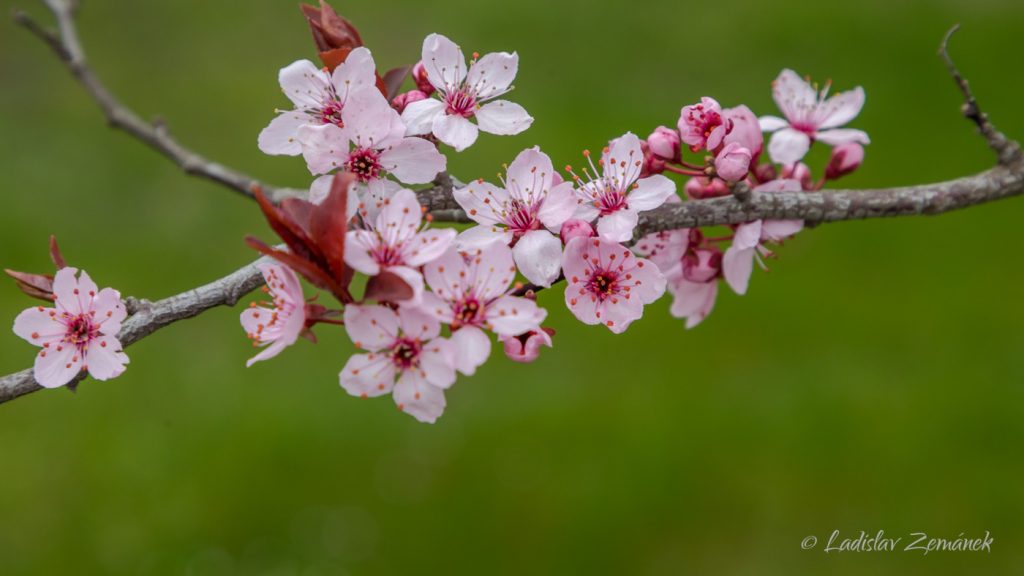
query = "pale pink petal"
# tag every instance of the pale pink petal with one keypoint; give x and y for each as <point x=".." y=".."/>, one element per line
<point x="623" y="160"/>
<point x="559" y="206"/>
<point x="617" y="313"/>
<point x="280" y="136"/>
<point x="371" y="327"/>
<point x="482" y="236"/>
<point x="778" y="230"/>
<point x="838" y="136"/>
<point x="747" y="235"/>
<point x="400" y="218"/>
<point x="370" y="121"/>
<point x="771" y="123"/>
<point x="104" y="358"/>
<point x="419" y="116"/>
<point x="650" y="193"/>
<point x="443" y="62"/>
<point x="737" y="264"/>
<point x="529" y="175"/>
<point x="413" y="161"/>
<point x="321" y="187"/>
<point x="437" y="360"/>
<point x="794" y="96"/>
<point x="780" y="185"/>
<point x="418" y="398"/>
<point x="65" y="291"/>
<point x="471" y="347"/>
<point x="448" y="276"/>
<point x="538" y="255"/>
<point x="583" y="306"/>
<point x="648" y="281"/>
<point x="585" y="212"/>
<point x="428" y="245"/>
<point x="57" y="365"/>
<point x="512" y="315"/>
<point x="693" y="300"/>
<point x="438" y="307"/>
<point x="377" y="192"/>
<point x="665" y="249"/>
<point x="617" y="226"/>
<point x="303" y="83"/>
<point x="325" y="148"/>
<point x="503" y="118"/>
<point x="368" y="375"/>
<point x="788" y="146"/>
<point x="574" y="264"/>
<point x="355" y="74"/>
<point x="494" y="271"/>
<point x="413" y="279"/>
<point x="359" y="245"/>
<point x="418" y="323"/>
<point x="38" y="325"/>
<point x="109" y="311"/>
<point x="482" y="201"/>
<point x="840" y="108"/>
<point x="455" y="131"/>
<point x="493" y="74"/>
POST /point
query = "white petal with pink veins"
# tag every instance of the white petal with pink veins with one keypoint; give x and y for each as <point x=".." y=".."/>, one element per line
<point x="794" y="96"/>
<point x="370" y="121"/>
<point x="471" y="347"/>
<point x="559" y="206"/>
<point x="455" y="131"/>
<point x="65" y="286"/>
<point x="481" y="236"/>
<point x="37" y="326"/>
<point x="448" y="276"/>
<point x="303" y="83"/>
<point x="538" y="255"/>
<point x="494" y="271"/>
<point x="747" y="235"/>
<point x="492" y="75"/>
<point x="586" y="212"/>
<point x="582" y="305"/>
<point x="574" y="259"/>
<point x="437" y="360"/>
<point x="839" y="136"/>
<point x="325" y="148"/>
<point x="418" y="398"/>
<point x="618" y="312"/>
<point x="503" y="118"/>
<point x="621" y="160"/>
<point x="778" y="230"/>
<point x="648" y="283"/>
<point x="512" y="315"/>
<point x="443" y="61"/>
<point x="371" y="327"/>
<point x="840" y="108"/>
<point x="110" y="311"/>
<point x="617" y="226"/>
<point x="788" y="146"/>
<point x="737" y="264"/>
<point x="359" y="245"/>
<point x="358" y="72"/>
<point x="104" y="358"/>
<point x="650" y="193"/>
<point x="375" y="193"/>
<point x="482" y="201"/>
<point x="428" y="245"/>
<point x="530" y="174"/>
<point x="771" y="123"/>
<point x="418" y="323"/>
<point x="400" y="218"/>
<point x="413" y="161"/>
<point x="693" y="300"/>
<point x="57" y="365"/>
<point x="368" y="375"/>
<point x="437" y="307"/>
<point x="419" y="117"/>
<point x="280" y="136"/>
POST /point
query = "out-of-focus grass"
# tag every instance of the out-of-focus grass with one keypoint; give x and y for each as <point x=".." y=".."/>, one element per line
<point x="873" y="380"/>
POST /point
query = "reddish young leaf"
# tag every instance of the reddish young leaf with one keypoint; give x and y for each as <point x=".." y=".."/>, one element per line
<point x="393" y="80"/>
<point x="329" y="29"/>
<point x="35" y="285"/>
<point x="55" y="255"/>
<point x="387" y="287"/>
<point x="329" y="223"/>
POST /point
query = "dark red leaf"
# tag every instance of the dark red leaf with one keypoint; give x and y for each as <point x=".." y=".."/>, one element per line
<point x="387" y="287"/>
<point x="55" y="255"/>
<point x="291" y="232"/>
<point x="330" y="223"/>
<point x="393" y="80"/>
<point x="309" y="270"/>
<point x="35" y="285"/>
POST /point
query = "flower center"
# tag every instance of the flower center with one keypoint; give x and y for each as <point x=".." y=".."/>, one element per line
<point x="331" y="114"/>
<point x="468" y="312"/>
<point x="405" y="353"/>
<point x="603" y="284"/>
<point x="610" y="200"/>
<point x="80" y="330"/>
<point x="522" y="217"/>
<point x="461" y="103"/>
<point x="365" y="164"/>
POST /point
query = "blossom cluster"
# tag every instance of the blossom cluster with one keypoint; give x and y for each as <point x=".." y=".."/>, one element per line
<point x="435" y="299"/>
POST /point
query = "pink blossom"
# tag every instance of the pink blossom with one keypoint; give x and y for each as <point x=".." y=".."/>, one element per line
<point x="371" y="146"/>
<point x="845" y="159"/>
<point x="319" y="97"/>
<point x="664" y="143"/>
<point x="701" y="125"/>
<point x="744" y="129"/>
<point x="405" y="98"/>
<point x="278" y="324"/>
<point x="733" y="162"/>
<point x="699" y="188"/>
<point x="525" y="347"/>
<point x="607" y="284"/>
<point x="800" y="172"/>
<point x="575" y="228"/>
<point x="690" y="268"/>
<point x="527" y="213"/>
<point x="419" y="75"/>
<point x="470" y="292"/>
<point x="466" y="94"/>
<point x="810" y="116"/>
<point x="79" y="333"/>
<point x="617" y="196"/>
<point x="403" y="346"/>
<point x="396" y="242"/>
<point x="748" y="240"/>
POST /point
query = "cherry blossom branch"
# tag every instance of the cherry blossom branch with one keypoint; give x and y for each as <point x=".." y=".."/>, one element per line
<point x="148" y="317"/>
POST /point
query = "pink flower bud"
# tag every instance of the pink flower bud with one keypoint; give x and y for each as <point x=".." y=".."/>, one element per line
<point x="701" y="188"/>
<point x="733" y="162"/>
<point x="526" y="347"/>
<point x="653" y="164"/>
<point x="574" y="228"/>
<point x="845" y="159"/>
<point x="765" y="172"/>
<point x="701" y="125"/>
<point x="702" y="264"/>
<point x="743" y="129"/>
<point x="419" y="74"/>
<point x="799" y="172"/>
<point x="406" y="98"/>
<point x="664" y="143"/>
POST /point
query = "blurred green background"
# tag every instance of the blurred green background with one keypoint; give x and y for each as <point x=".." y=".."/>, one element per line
<point x="873" y="380"/>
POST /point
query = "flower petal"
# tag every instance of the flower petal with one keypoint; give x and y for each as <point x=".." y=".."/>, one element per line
<point x="371" y="327"/>
<point x="428" y="245"/>
<point x="840" y="108"/>
<point x="788" y="146"/>
<point x="503" y="118"/>
<point x="65" y="291"/>
<point x="413" y="161"/>
<point x="280" y="136"/>
<point x="38" y="325"/>
<point x="737" y="264"/>
<point x="794" y="96"/>
<point x="693" y="300"/>
<point x="109" y="311"/>
<point x="538" y="254"/>
<point x="617" y="226"/>
<point x="104" y="358"/>
<point x="418" y="323"/>
<point x="771" y="123"/>
<point x="419" y="117"/>
<point x="559" y="206"/>
<point x="470" y="349"/>
<point x="493" y="74"/>
<point x="838" y="136"/>
<point x="368" y="375"/>
<point x="623" y="161"/>
<point x="303" y="83"/>
<point x="437" y="360"/>
<point x="482" y="236"/>
<point x="57" y="365"/>
<point x="493" y="270"/>
<point x="357" y="73"/>
<point x="359" y="245"/>
<point x="530" y="175"/>
<point x="482" y="201"/>
<point x="455" y="131"/>
<point x="650" y="193"/>
<point x="418" y="398"/>
<point x="443" y="62"/>
<point x="513" y="315"/>
<point x="325" y="148"/>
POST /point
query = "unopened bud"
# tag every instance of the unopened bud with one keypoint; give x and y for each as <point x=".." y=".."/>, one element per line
<point x="801" y="173"/>
<point x="664" y="142"/>
<point x="845" y="159"/>
<point x="575" y="228"/>
<point x="701" y="188"/>
<point x="733" y="162"/>
<point x="406" y="98"/>
<point x="419" y="74"/>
